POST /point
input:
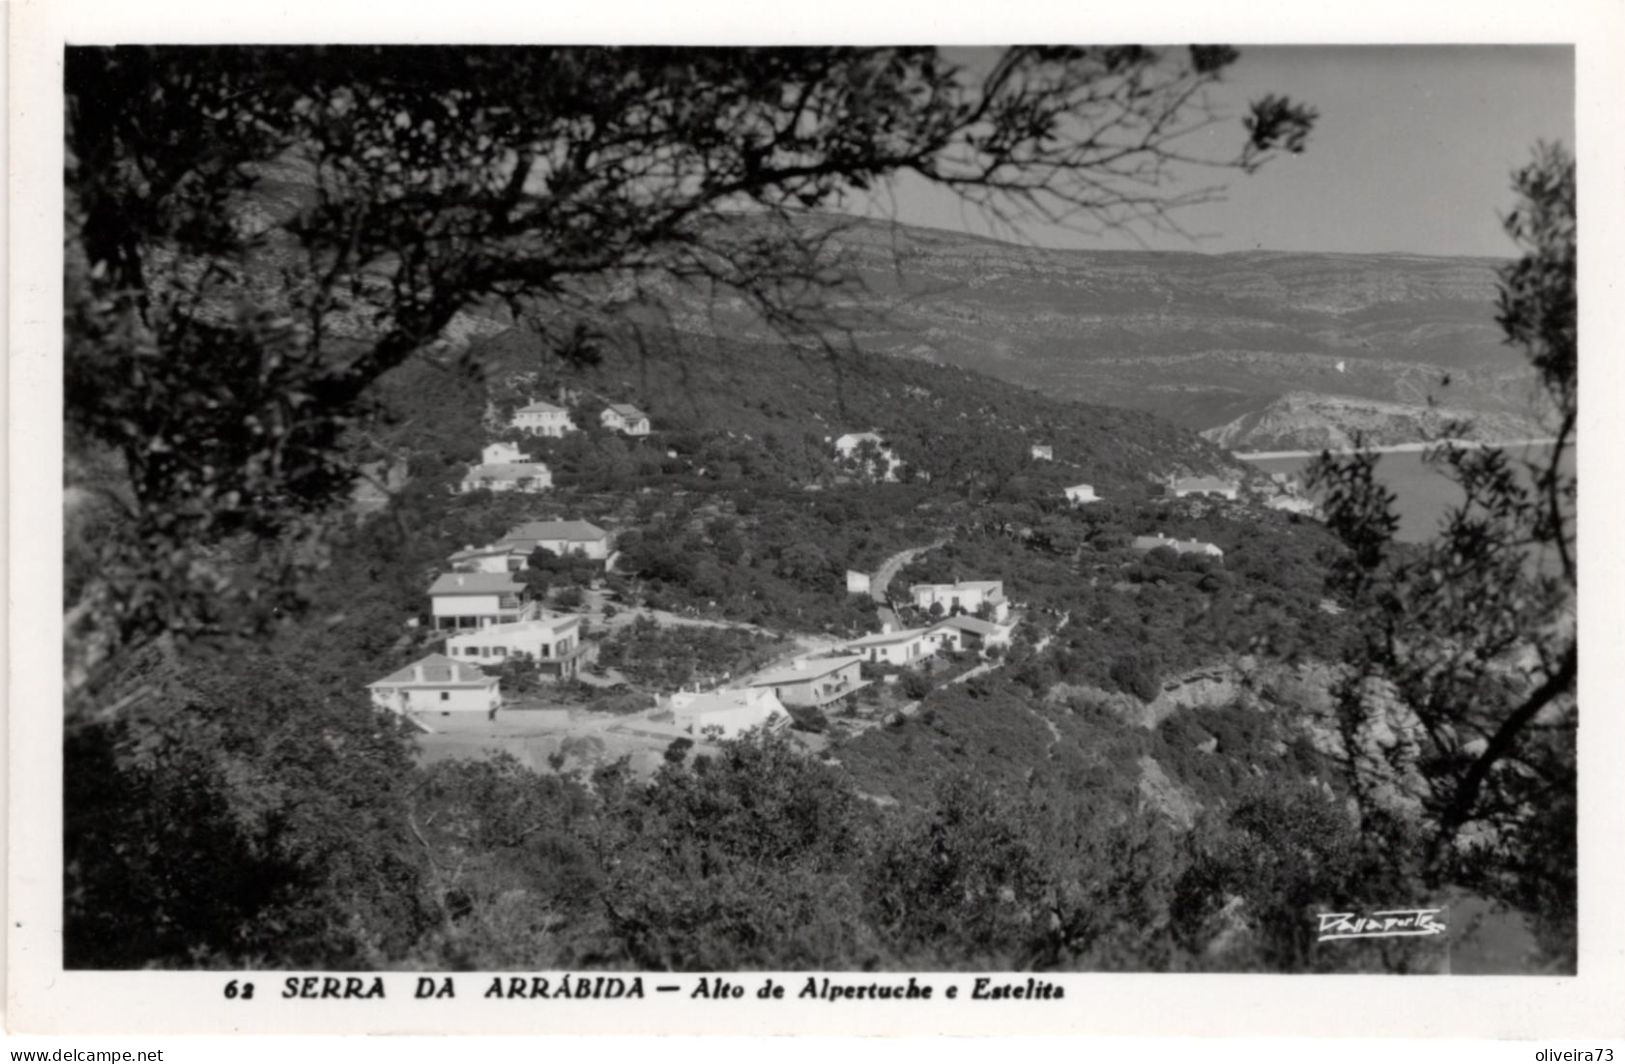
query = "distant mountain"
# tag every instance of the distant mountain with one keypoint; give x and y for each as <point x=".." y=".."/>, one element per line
<point x="1211" y="342"/>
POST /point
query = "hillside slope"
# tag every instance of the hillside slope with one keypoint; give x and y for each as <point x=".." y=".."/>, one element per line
<point x="1200" y="339"/>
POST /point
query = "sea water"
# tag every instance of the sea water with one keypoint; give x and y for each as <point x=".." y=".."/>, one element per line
<point x="1424" y="492"/>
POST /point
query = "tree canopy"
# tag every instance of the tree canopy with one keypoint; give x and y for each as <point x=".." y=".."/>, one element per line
<point x="1475" y="632"/>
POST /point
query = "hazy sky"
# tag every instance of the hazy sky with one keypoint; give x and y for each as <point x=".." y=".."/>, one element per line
<point x="1412" y="152"/>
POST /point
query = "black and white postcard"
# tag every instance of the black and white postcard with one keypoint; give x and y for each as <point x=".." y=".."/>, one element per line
<point x="589" y="526"/>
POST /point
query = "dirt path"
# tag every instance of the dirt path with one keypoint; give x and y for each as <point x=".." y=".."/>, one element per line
<point x="889" y="568"/>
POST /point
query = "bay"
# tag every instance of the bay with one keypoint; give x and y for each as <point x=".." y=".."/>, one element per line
<point x="1423" y="494"/>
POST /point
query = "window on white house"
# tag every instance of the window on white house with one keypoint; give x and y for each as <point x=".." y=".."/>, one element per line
<point x="445" y="696"/>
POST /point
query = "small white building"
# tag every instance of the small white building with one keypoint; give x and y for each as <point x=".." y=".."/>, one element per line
<point x="437" y="684"/>
<point x="524" y="477"/>
<point x="626" y="419"/>
<point x="475" y="600"/>
<point x="975" y="633"/>
<point x="1293" y="504"/>
<point x="1043" y="452"/>
<point x="1146" y="544"/>
<point x="906" y="647"/>
<point x="1081" y="494"/>
<point x="502" y="451"/>
<point x="857" y="583"/>
<point x="813" y="681"/>
<point x="543" y="419"/>
<point x="847" y="447"/>
<point x="1224" y="489"/>
<point x="963" y="596"/>
<point x="552" y="644"/>
<point x="732" y="711"/>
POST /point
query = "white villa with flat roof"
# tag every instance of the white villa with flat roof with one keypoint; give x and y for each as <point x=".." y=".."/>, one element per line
<point x="476" y="600"/>
<point x="551" y="643"/>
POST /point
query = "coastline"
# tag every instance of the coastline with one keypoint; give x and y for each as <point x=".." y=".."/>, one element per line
<point x="1393" y="448"/>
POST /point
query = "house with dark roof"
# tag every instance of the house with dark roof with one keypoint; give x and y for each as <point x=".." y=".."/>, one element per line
<point x="626" y="419"/>
<point x="543" y="419"/>
<point x="437" y="685"/>
<point x="474" y="600"/>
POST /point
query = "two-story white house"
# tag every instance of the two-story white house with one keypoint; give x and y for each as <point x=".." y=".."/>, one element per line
<point x="551" y="643"/>
<point x="543" y="419"/>
<point x="503" y="467"/>
<point x="963" y="596"/>
<point x="813" y="681"/>
<point x="626" y="419"/>
<point x="475" y="600"/>
<point x="437" y="685"/>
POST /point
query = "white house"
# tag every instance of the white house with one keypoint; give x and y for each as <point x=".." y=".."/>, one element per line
<point x="1293" y="504"/>
<point x="1043" y="452"/>
<point x="552" y="644"/>
<point x="734" y="711"/>
<point x="1081" y="494"/>
<point x="475" y="600"/>
<point x="1227" y="489"/>
<point x="509" y="554"/>
<point x="813" y="681"/>
<point x="904" y="647"/>
<point x="437" y="684"/>
<point x="497" y="558"/>
<point x="857" y="583"/>
<point x="1179" y="546"/>
<point x="526" y="477"/>
<point x="543" y="419"/>
<point x="581" y="538"/>
<point x="976" y="633"/>
<point x="625" y="418"/>
<point x="967" y="596"/>
<point x="847" y="447"/>
<point x="502" y="451"/>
